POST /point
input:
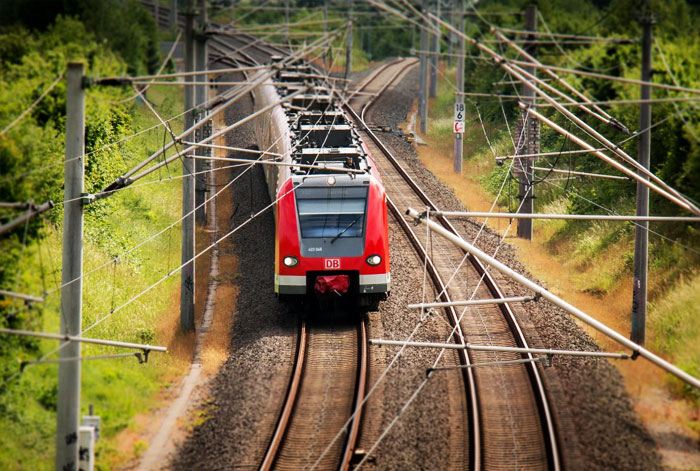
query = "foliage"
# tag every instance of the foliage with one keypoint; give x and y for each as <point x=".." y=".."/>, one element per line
<point x="125" y="27"/>
<point x="31" y="168"/>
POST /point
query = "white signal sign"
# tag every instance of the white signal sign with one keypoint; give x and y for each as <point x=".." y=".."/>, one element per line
<point x="459" y="112"/>
<point x="459" y="127"/>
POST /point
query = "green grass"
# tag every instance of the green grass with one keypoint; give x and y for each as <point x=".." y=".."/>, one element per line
<point x="674" y="320"/>
<point x="121" y="388"/>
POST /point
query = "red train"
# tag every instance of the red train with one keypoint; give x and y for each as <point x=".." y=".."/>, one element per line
<point x="331" y="239"/>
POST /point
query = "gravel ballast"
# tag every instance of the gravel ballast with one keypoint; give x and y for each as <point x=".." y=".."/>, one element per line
<point x="237" y="419"/>
<point x="603" y="431"/>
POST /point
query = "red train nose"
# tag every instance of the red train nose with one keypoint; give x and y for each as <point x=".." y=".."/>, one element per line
<point x="338" y="284"/>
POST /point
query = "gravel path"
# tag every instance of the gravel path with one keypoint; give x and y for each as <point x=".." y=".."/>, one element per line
<point x="236" y="421"/>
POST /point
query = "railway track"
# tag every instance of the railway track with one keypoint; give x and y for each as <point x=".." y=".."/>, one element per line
<point x="326" y="388"/>
<point x="511" y="425"/>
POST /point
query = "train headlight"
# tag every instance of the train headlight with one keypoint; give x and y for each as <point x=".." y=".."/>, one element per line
<point x="374" y="260"/>
<point x="290" y="261"/>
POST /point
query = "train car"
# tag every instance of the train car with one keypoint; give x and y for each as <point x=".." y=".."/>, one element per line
<point x="331" y="228"/>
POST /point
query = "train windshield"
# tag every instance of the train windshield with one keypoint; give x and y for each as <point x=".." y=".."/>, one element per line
<point x="331" y="211"/>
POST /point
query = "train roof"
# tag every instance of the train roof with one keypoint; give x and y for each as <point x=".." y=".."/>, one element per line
<point x="320" y="133"/>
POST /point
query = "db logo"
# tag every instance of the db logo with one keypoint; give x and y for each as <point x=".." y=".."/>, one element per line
<point x="332" y="263"/>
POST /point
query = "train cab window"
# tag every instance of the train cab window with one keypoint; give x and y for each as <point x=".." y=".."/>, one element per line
<point x="331" y="212"/>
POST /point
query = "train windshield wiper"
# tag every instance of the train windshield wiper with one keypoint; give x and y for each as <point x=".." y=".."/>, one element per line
<point x="346" y="228"/>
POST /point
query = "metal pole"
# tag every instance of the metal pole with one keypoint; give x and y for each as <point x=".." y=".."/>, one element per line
<point x="156" y="12"/>
<point x="326" y="58"/>
<point x="569" y="217"/>
<point x="641" y="233"/>
<point x="68" y="405"/>
<point x="286" y="21"/>
<point x="201" y="99"/>
<point x="459" y="97"/>
<point x="172" y="18"/>
<point x="530" y="127"/>
<point x="187" y="273"/>
<point x="599" y="326"/>
<point x="453" y="5"/>
<point x="435" y="47"/>
<point x="423" y="86"/>
<point x="348" y="50"/>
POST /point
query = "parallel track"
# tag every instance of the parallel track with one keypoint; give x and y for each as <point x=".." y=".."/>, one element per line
<point x="513" y="428"/>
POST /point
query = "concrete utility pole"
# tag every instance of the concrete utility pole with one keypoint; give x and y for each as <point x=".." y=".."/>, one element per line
<point x="529" y="132"/>
<point x="641" y="234"/>
<point x="68" y="405"/>
<point x="172" y="19"/>
<point x="348" y="50"/>
<point x="326" y="56"/>
<point x="187" y="273"/>
<point x="286" y="21"/>
<point x="201" y="99"/>
<point x="434" y="47"/>
<point x="156" y="11"/>
<point x="423" y="79"/>
<point x="459" y="98"/>
<point x="453" y="5"/>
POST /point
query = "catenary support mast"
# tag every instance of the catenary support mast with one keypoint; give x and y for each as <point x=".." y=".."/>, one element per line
<point x="68" y="402"/>
<point x="527" y="141"/>
<point x="187" y="273"/>
<point x="641" y="233"/>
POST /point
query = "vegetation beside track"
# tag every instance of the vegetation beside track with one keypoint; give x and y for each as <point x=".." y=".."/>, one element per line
<point x="596" y="257"/>
<point x="120" y="388"/>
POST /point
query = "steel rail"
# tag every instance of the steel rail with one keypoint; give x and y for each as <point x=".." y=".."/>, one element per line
<point x="289" y="402"/>
<point x="360" y="392"/>
<point x="468" y="376"/>
<point x="409" y="63"/>
<point x="295" y="383"/>
<point x="540" y="394"/>
<point x="453" y="318"/>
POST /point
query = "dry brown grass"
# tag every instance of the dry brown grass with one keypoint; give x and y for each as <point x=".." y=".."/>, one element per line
<point x="613" y="308"/>
<point x="214" y="350"/>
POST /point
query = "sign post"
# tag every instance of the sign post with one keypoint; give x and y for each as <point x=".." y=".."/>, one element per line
<point x="458" y="130"/>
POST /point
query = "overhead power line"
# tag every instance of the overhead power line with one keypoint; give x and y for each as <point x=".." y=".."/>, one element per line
<point x="79" y="339"/>
<point x="34" y="211"/>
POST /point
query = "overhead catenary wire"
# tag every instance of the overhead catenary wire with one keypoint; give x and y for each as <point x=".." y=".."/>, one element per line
<point x="561" y="35"/>
<point x="582" y="316"/>
<point x="682" y="202"/>
<point x="208" y="72"/>
<point x="129" y="177"/>
<point x="136" y="355"/>
<point x="526" y="77"/>
<point x="553" y="68"/>
<point x="77" y="338"/>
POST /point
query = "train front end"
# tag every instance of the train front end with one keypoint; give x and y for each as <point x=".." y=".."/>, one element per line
<point x="332" y="240"/>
